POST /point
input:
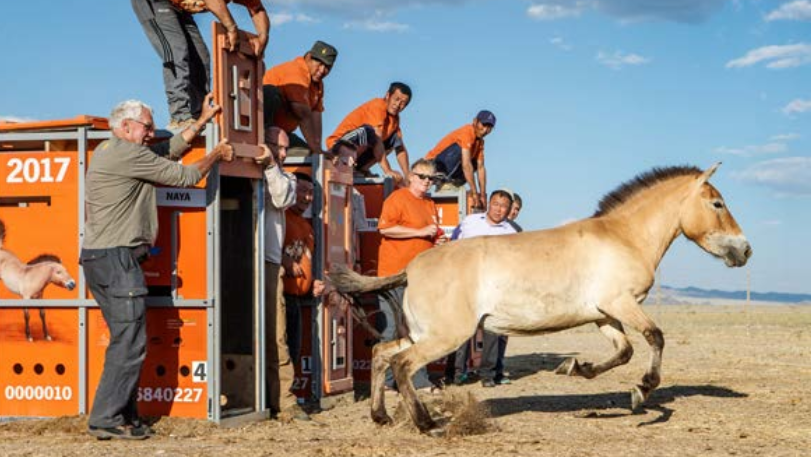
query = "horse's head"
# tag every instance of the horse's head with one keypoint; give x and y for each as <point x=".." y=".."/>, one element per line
<point x="706" y="220"/>
<point x="61" y="277"/>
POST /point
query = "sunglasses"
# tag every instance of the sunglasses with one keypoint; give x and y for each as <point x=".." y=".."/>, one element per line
<point x="422" y="176"/>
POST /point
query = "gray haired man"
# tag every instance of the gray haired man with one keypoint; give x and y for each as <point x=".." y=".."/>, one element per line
<point x="121" y="226"/>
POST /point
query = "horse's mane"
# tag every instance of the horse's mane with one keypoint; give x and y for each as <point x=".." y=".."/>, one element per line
<point x="628" y="189"/>
<point x="42" y="258"/>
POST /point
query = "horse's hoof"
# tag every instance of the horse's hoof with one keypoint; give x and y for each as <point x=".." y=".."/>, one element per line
<point x="637" y="398"/>
<point x="568" y="367"/>
<point x="49" y="338"/>
<point x="30" y="339"/>
<point x="382" y="419"/>
<point x="436" y="432"/>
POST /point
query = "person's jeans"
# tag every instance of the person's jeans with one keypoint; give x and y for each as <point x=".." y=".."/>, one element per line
<point x="115" y="278"/>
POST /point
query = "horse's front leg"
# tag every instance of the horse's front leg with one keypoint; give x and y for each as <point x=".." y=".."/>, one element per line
<point x="628" y="311"/>
<point x="44" y="325"/>
<point x="27" y="317"/>
<point x="612" y="329"/>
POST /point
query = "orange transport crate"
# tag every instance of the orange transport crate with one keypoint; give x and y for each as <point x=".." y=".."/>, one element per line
<point x="174" y="376"/>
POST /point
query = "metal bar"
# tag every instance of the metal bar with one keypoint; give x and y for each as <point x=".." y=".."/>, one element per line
<point x="213" y="266"/>
<point x="261" y="331"/>
<point x="81" y="161"/>
<point x="152" y="302"/>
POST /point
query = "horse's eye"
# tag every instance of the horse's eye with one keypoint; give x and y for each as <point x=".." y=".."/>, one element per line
<point x="718" y="204"/>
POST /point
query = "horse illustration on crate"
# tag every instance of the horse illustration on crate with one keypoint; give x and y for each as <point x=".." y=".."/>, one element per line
<point x="29" y="280"/>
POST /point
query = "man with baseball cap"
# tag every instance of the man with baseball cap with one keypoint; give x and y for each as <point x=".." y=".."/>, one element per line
<point x="461" y="154"/>
<point x="294" y="97"/>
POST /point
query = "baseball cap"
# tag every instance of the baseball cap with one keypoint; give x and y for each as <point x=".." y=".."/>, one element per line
<point x="324" y="53"/>
<point x="486" y="117"/>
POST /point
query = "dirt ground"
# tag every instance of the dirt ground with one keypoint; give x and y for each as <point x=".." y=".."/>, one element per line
<point x="736" y="381"/>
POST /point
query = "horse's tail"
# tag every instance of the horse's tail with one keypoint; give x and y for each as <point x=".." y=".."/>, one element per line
<point x="347" y="281"/>
<point x="2" y="232"/>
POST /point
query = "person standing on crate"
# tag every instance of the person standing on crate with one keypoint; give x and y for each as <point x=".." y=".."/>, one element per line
<point x="281" y="194"/>
<point x="493" y="222"/>
<point x="297" y="260"/>
<point x="121" y="225"/>
<point x="294" y="97"/>
<point x="373" y="131"/>
<point x="172" y="31"/>
<point x="409" y="225"/>
<point x="460" y="155"/>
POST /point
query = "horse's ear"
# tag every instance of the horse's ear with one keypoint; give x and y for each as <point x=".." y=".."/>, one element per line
<point x="708" y="173"/>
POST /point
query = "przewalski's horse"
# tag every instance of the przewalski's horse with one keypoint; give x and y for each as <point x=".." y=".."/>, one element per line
<point x="595" y="270"/>
<point x="29" y="280"/>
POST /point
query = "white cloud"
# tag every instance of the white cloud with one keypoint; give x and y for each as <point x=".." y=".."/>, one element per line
<point x="619" y="59"/>
<point x="560" y="43"/>
<point x="777" y="57"/>
<point x="799" y="10"/>
<point x="376" y="25"/>
<point x="277" y="19"/>
<point x="551" y="12"/>
<point x="768" y="148"/>
<point x="789" y="176"/>
<point x="785" y="137"/>
<point x="797" y="106"/>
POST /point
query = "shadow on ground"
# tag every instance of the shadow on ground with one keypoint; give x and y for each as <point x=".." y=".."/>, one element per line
<point x="605" y="405"/>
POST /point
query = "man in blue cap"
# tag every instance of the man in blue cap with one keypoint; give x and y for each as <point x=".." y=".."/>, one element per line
<point x="460" y="155"/>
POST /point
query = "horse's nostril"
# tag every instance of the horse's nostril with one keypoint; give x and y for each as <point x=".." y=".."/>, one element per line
<point x="748" y="251"/>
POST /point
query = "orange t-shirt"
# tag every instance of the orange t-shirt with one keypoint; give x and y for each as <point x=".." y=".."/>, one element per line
<point x="403" y="208"/>
<point x="294" y="81"/>
<point x="465" y="137"/>
<point x="373" y="113"/>
<point x="299" y="243"/>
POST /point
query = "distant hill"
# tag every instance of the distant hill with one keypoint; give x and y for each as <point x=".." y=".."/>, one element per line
<point x="695" y="295"/>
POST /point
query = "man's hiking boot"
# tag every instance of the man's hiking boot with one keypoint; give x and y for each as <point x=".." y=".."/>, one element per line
<point x="119" y="432"/>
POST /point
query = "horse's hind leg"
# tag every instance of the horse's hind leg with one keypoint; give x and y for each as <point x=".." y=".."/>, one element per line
<point x="612" y="329"/>
<point x="628" y="312"/>
<point x="407" y="363"/>
<point x="381" y="361"/>
<point x="27" y="316"/>
<point x="44" y="325"/>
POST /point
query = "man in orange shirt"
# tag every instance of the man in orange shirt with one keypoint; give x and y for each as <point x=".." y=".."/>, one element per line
<point x="294" y="97"/>
<point x="297" y="260"/>
<point x="410" y="225"/>
<point x="461" y="154"/>
<point x="373" y="130"/>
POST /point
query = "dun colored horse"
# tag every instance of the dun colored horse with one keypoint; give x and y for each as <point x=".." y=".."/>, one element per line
<point x="29" y="280"/>
<point x="594" y="270"/>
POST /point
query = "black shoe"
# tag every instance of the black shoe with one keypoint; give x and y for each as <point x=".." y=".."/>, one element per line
<point x="120" y="432"/>
<point x="488" y="383"/>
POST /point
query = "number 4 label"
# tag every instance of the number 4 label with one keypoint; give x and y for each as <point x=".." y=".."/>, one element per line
<point x="198" y="371"/>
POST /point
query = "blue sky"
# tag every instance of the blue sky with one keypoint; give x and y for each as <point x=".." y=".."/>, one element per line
<point x="588" y="93"/>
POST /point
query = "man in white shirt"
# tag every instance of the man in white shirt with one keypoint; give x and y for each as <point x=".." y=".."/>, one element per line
<point x="493" y="222"/>
<point x="281" y="194"/>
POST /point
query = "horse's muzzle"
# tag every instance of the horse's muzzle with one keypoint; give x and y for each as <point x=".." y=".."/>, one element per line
<point x="738" y="253"/>
<point x="70" y="285"/>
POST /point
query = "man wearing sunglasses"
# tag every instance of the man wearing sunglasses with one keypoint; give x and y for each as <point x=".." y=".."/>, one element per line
<point x="121" y="226"/>
<point x="409" y="224"/>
